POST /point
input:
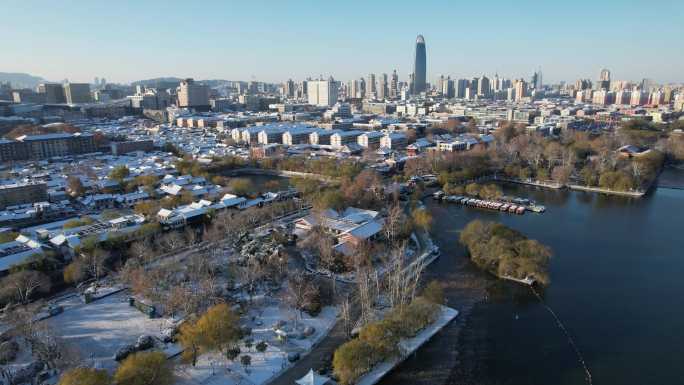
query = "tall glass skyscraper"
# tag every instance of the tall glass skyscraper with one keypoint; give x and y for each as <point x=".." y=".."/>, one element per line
<point x="420" y="67"/>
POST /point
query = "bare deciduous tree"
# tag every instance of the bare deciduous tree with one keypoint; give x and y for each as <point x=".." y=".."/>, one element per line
<point x="94" y="262"/>
<point x="142" y="249"/>
<point x="299" y="292"/>
<point x="393" y="222"/>
<point x="191" y="237"/>
<point x="401" y="279"/>
<point x="345" y="313"/>
<point x="23" y="284"/>
<point x="171" y="241"/>
<point x="366" y="295"/>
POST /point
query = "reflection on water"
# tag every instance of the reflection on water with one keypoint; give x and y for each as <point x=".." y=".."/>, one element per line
<point x="616" y="283"/>
<point x="672" y="178"/>
<point x="266" y="183"/>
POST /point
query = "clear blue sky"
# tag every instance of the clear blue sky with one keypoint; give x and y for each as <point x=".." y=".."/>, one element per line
<point x="125" y="40"/>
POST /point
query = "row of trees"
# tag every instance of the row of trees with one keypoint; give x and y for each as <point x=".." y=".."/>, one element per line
<point x="477" y="190"/>
<point x="142" y="368"/>
<point x="573" y="156"/>
<point x="506" y="252"/>
<point x="331" y="167"/>
<point x="379" y="340"/>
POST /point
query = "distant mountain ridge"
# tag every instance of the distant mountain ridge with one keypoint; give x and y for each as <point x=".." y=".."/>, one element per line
<point x="173" y="82"/>
<point x="21" y="80"/>
<point x="151" y="82"/>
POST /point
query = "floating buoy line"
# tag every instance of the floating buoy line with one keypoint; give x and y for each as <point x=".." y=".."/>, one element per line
<point x="571" y="341"/>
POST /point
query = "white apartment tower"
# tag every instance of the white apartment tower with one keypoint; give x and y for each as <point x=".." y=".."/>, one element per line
<point x="322" y="92"/>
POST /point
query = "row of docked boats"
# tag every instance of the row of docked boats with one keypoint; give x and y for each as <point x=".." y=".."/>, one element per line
<point x="509" y="207"/>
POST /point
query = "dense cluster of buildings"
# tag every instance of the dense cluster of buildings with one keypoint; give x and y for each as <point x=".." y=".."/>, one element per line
<point x="383" y="119"/>
<point x="54" y="93"/>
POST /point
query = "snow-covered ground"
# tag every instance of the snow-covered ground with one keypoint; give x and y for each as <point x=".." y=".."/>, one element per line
<point x="215" y="369"/>
<point x="270" y="315"/>
<point x="98" y="329"/>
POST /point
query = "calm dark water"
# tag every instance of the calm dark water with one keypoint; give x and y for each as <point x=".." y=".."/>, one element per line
<point x="617" y="284"/>
<point x="264" y="183"/>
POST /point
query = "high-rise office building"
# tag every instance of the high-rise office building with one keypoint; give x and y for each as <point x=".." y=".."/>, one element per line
<point x="604" y="80"/>
<point x="352" y="89"/>
<point x="605" y="75"/>
<point x="440" y="83"/>
<point x="474" y="86"/>
<point x="253" y="87"/>
<point x="461" y="86"/>
<point x="394" y="85"/>
<point x="302" y="88"/>
<point x="623" y="97"/>
<point x="679" y="102"/>
<point x="510" y="94"/>
<point x="28" y="95"/>
<point x="603" y="97"/>
<point x="667" y="94"/>
<point x="448" y="88"/>
<point x="150" y="99"/>
<point x="656" y="98"/>
<point x="520" y="89"/>
<point x="77" y="93"/>
<point x="371" y="91"/>
<point x="420" y="67"/>
<point x="357" y="88"/>
<point x="582" y="84"/>
<point x="193" y="95"/>
<point x="639" y="98"/>
<point x="647" y="84"/>
<point x="322" y="92"/>
<point x="289" y="89"/>
<point x="410" y="83"/>
<point x="54" y="93"/>
<point x="382" y="90"/>
<point x="483" y="87"/>
<point x="537" y="80"/>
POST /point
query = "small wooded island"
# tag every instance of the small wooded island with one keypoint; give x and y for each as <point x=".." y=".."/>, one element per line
<point x="505" y="252"/>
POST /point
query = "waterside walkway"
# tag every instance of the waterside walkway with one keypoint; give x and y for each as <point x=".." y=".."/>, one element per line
<point x="408" y="347"/>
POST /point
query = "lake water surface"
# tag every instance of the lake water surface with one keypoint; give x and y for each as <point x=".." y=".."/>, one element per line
<point x="617" y="284"/>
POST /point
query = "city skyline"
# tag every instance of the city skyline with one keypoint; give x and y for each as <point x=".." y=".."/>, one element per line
<point x="246" y="48"/>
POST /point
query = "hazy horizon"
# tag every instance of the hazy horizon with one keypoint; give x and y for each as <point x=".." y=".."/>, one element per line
<point x="274" y="41"/>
